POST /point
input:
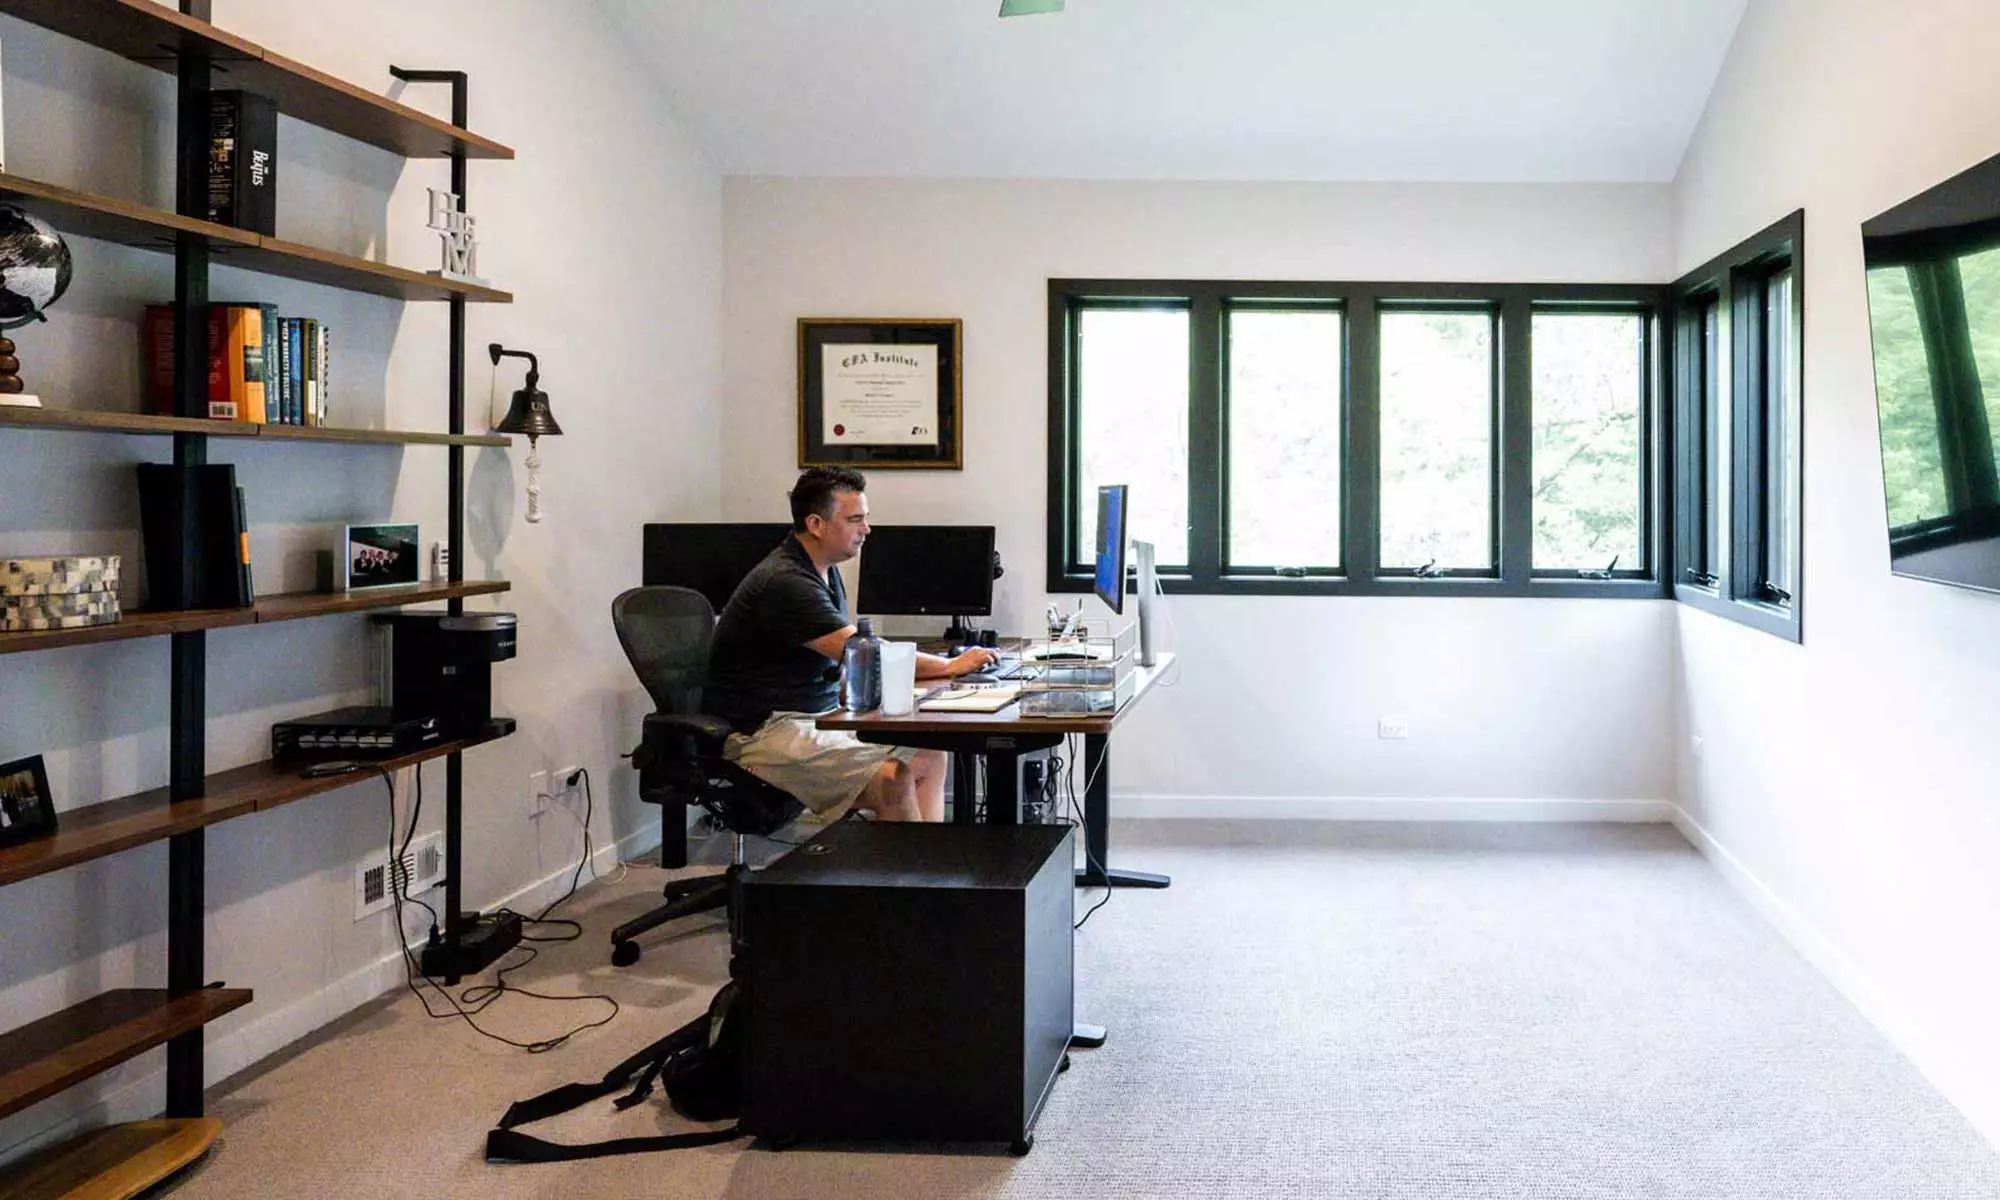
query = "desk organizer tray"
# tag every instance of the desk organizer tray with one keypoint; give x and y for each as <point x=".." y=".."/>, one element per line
<point x="1076" y="701"/>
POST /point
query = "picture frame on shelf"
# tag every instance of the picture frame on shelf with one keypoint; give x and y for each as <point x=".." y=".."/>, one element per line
<point x="885" y="394"/>
<point x="27" y="810"/>
<point x="377" y="556"/>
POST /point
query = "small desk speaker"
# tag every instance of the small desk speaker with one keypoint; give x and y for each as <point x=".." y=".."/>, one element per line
<point x="909" y="982"/>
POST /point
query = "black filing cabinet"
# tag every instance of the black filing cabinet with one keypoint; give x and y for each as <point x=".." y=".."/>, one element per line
<point x="909" y="982"/>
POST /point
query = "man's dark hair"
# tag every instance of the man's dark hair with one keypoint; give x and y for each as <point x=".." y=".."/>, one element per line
<point x="813" y="493"/>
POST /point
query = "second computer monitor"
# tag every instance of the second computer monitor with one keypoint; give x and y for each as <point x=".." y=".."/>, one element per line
<point x="927" y="570"/>
<point x="1110" y="577"/>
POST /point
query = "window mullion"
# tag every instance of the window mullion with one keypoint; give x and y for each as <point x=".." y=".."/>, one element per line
<point x="1361" y="474"/>
<point x="1207" y="442"/>
<point x="1515" y="478"/>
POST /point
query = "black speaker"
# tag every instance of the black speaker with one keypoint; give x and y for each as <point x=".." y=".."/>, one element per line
<point x="909" y="982"/>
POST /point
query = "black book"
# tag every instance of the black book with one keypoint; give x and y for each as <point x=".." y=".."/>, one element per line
<point x="191" y="530"/>
<point x="243" y="161"/>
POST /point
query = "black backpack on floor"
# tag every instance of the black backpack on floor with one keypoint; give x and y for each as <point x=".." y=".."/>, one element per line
<point x="700" y="1065"/>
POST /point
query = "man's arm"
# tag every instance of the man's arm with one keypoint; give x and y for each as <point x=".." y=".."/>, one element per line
<point x="929" y="666"/>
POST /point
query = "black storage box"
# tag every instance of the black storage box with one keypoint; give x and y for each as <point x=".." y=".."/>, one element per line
<point x="909" y="982"/>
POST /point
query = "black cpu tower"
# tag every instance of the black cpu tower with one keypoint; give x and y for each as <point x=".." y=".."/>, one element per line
<point x="908" y="982"/>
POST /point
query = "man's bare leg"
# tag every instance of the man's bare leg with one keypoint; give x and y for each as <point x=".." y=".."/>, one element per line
<point x="892" y="794"/>
<point x="929" y="769"/>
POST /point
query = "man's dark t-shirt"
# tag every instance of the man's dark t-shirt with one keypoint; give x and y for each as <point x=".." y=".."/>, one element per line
<point x="758" y="663"/>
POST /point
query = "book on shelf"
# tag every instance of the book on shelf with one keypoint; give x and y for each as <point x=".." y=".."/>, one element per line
<point x="205" y="503"/>
<point x="243" y="161"/>
<point x="262" y="366"/>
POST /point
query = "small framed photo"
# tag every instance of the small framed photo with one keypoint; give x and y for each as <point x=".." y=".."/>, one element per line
<point x="881" y="394"/>
<point x="381" y="556"/>
<point x="27" y="811"/>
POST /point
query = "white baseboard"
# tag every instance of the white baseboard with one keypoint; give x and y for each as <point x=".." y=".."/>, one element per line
<point x="1975" y="1098"/>
<point x="243" y="1047"/>
<point x="1389" y="808"/>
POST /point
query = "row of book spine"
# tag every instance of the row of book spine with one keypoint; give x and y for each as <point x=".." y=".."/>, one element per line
<point x="262" y="367"/>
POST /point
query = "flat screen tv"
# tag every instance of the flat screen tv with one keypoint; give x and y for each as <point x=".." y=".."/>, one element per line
<point x="1934" y="313"/>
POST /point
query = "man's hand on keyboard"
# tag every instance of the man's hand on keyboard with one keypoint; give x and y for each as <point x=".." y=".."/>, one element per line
<point x="976" y="658"/>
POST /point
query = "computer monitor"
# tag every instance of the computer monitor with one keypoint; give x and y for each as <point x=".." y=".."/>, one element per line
<point x="1111" y="506"/>
<point x="709" y="558"/>
<point x="927" y="570"/>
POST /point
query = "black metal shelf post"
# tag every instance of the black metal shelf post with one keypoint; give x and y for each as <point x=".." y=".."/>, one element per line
<point x="187" y="725"/>
<point x="454" y="763"/>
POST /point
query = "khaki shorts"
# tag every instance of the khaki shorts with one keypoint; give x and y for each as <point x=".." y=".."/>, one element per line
<point x="823" y="769"/>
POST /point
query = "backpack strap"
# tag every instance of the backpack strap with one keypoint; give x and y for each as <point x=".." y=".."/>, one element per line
<point x="506" y="1144"/>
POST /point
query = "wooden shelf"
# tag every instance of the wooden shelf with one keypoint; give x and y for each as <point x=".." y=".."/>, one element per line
<point x="44" y="1057"/>
<point x="151" y="34"/>
<point x="283" y="606"/>
<point x="141" y="423"/>
<point x="104" y="829"/>
<point x="112" y="1160"/>
<point x="156" y="229"/>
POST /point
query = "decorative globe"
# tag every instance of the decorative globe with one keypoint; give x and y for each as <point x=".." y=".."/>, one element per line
<point x="34" y="267"/>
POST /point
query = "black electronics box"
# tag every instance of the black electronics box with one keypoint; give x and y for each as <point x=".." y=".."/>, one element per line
<point x="441" y="665"/>
<point x="909" y="982"/>
<point x="360" y="732"/>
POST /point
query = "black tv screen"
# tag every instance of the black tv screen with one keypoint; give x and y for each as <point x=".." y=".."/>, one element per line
<point x="1934" y="314"/>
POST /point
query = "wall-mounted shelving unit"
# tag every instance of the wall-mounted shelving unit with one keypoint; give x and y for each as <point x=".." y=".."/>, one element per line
<point x="63" y="1048"/>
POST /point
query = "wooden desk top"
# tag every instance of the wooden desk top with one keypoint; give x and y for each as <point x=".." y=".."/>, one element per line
<point x="1007" y="720"/>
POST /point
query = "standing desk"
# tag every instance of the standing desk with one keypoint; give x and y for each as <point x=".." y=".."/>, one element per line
<point x="1001" y="738"/>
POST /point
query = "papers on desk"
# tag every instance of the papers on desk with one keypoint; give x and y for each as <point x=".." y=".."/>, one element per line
<point x="971" y="699"/>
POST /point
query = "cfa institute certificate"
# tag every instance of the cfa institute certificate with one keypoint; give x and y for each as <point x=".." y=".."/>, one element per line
<point x="876" y="395"/>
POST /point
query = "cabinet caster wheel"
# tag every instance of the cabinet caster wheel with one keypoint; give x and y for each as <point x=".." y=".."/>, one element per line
<point x="624" y="954"/>
<point x="1064" y="1065"/>
<point x="1021" y="1147"/>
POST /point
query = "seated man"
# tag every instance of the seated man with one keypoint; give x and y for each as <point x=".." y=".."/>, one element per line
<point x="775" y="665"/>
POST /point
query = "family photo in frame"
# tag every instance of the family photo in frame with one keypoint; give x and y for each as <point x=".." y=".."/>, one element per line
<point x="27" y="811"/>
<point x="881" y="394"/>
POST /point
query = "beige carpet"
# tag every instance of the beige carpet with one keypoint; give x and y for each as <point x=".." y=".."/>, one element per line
<point x="1311" y="1010"/>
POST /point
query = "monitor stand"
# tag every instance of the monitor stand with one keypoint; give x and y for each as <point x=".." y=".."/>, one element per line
<point x="958" y="633"/>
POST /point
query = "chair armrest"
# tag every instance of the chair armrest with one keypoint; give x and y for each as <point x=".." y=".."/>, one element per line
<point x="708" y="732"/>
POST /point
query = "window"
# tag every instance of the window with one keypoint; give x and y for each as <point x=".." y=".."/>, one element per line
<point x="1740" y="429"/>
<point x="1284" y="422"/>
<point x="1589" y="453"/>
<point x="1368" y="438"/>
<point x="1438" y="416"/>
<point x="1132" y="373"/>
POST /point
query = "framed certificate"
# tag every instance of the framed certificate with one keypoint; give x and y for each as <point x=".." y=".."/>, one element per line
<point x="880" y="393"/>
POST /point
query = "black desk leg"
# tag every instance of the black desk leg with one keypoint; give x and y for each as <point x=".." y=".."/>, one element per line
<point x="964" y="788"/>
<point x="1097" y="824"/>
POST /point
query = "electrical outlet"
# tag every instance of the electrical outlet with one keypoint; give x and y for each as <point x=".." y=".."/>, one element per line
<point x="1391" y="729"/>
<point x="538" y="793"/>
<point x="559" y="787"/>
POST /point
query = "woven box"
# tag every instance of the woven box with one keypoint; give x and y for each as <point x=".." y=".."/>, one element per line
<point x="58" y="593"/>
<point x="59" y="576"/>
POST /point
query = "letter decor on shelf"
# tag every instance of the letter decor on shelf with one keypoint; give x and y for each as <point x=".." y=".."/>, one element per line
<point x="454" y="228"/>
<point x="880" y="393"/>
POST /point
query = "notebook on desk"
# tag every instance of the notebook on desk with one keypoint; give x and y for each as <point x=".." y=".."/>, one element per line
<point x="965" y="699"/>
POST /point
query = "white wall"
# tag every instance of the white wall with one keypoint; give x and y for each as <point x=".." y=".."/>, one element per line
<point x="1508" y="699"/>
<point x="607" y="229"/>
<point x="1850" y="781"/>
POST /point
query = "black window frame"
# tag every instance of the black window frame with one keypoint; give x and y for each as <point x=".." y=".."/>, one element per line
<point x="1707" y="399"/>
<point x="1208" y="302"/>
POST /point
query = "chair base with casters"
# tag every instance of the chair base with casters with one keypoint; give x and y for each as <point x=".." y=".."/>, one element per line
<point x="681" y="759"/>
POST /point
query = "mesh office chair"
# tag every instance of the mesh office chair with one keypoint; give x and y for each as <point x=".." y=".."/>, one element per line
<point x="666" y="633"/>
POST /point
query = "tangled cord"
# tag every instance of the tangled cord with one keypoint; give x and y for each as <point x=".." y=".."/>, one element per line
<point x="477" y="998"/>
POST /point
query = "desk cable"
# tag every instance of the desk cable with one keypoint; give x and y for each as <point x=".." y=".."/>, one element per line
<point x="1062" y="777"/>
<point x="480" y="997"/>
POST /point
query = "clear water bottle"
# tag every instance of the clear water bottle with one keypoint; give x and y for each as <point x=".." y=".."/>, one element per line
<point x="861" y="669"/>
